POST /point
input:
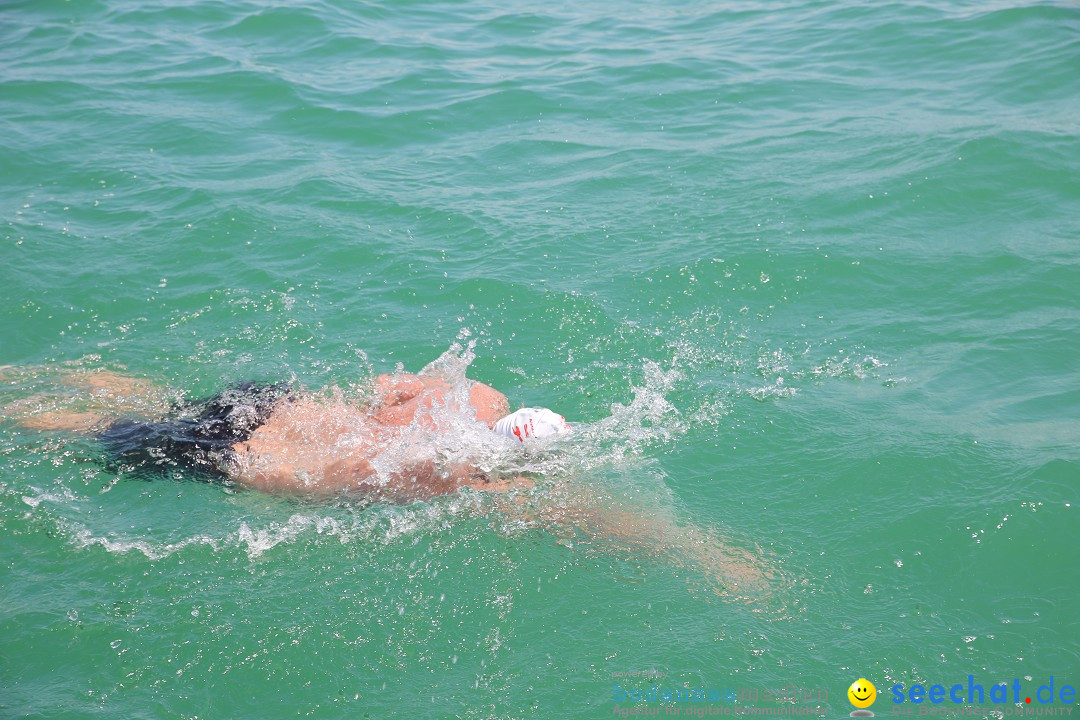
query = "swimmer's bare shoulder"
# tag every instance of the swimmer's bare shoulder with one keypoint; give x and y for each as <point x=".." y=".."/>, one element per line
<point x="398" y="398"/>
<point x="490" y="404"/>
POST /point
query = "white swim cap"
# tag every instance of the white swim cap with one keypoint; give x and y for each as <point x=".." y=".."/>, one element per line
<point x="532" y="423"/>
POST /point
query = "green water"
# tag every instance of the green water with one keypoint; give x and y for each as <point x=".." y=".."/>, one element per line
<point x="827" y="251"/>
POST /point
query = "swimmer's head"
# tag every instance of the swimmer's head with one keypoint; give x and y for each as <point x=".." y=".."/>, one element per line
<point x="532" y="423"/>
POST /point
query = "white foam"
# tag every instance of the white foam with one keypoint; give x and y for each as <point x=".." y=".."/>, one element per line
<point x="63" y="496"/>
<point x="257" y="541"/>
<point x="384" y="525"/>
<point x="154" y="551"/>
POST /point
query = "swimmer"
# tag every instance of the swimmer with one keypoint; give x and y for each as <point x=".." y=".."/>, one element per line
<point x="269" y="437"/>
<point x="272" y="438"/>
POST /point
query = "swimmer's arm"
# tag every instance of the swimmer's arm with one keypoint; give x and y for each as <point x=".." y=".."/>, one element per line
<point x="735" y="568"/>
<point x="652" y="532"/>
<point x="468" y="475"/>
<point x="497" y="484"/>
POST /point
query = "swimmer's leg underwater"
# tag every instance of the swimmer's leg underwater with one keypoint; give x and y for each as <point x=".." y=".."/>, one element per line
<point x="78" y="400"/>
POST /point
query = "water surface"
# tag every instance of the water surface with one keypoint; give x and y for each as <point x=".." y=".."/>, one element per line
<point x="811" y="267"/>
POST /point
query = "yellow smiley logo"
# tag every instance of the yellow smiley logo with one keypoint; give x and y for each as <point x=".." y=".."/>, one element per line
<point x="862" y="693"/>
